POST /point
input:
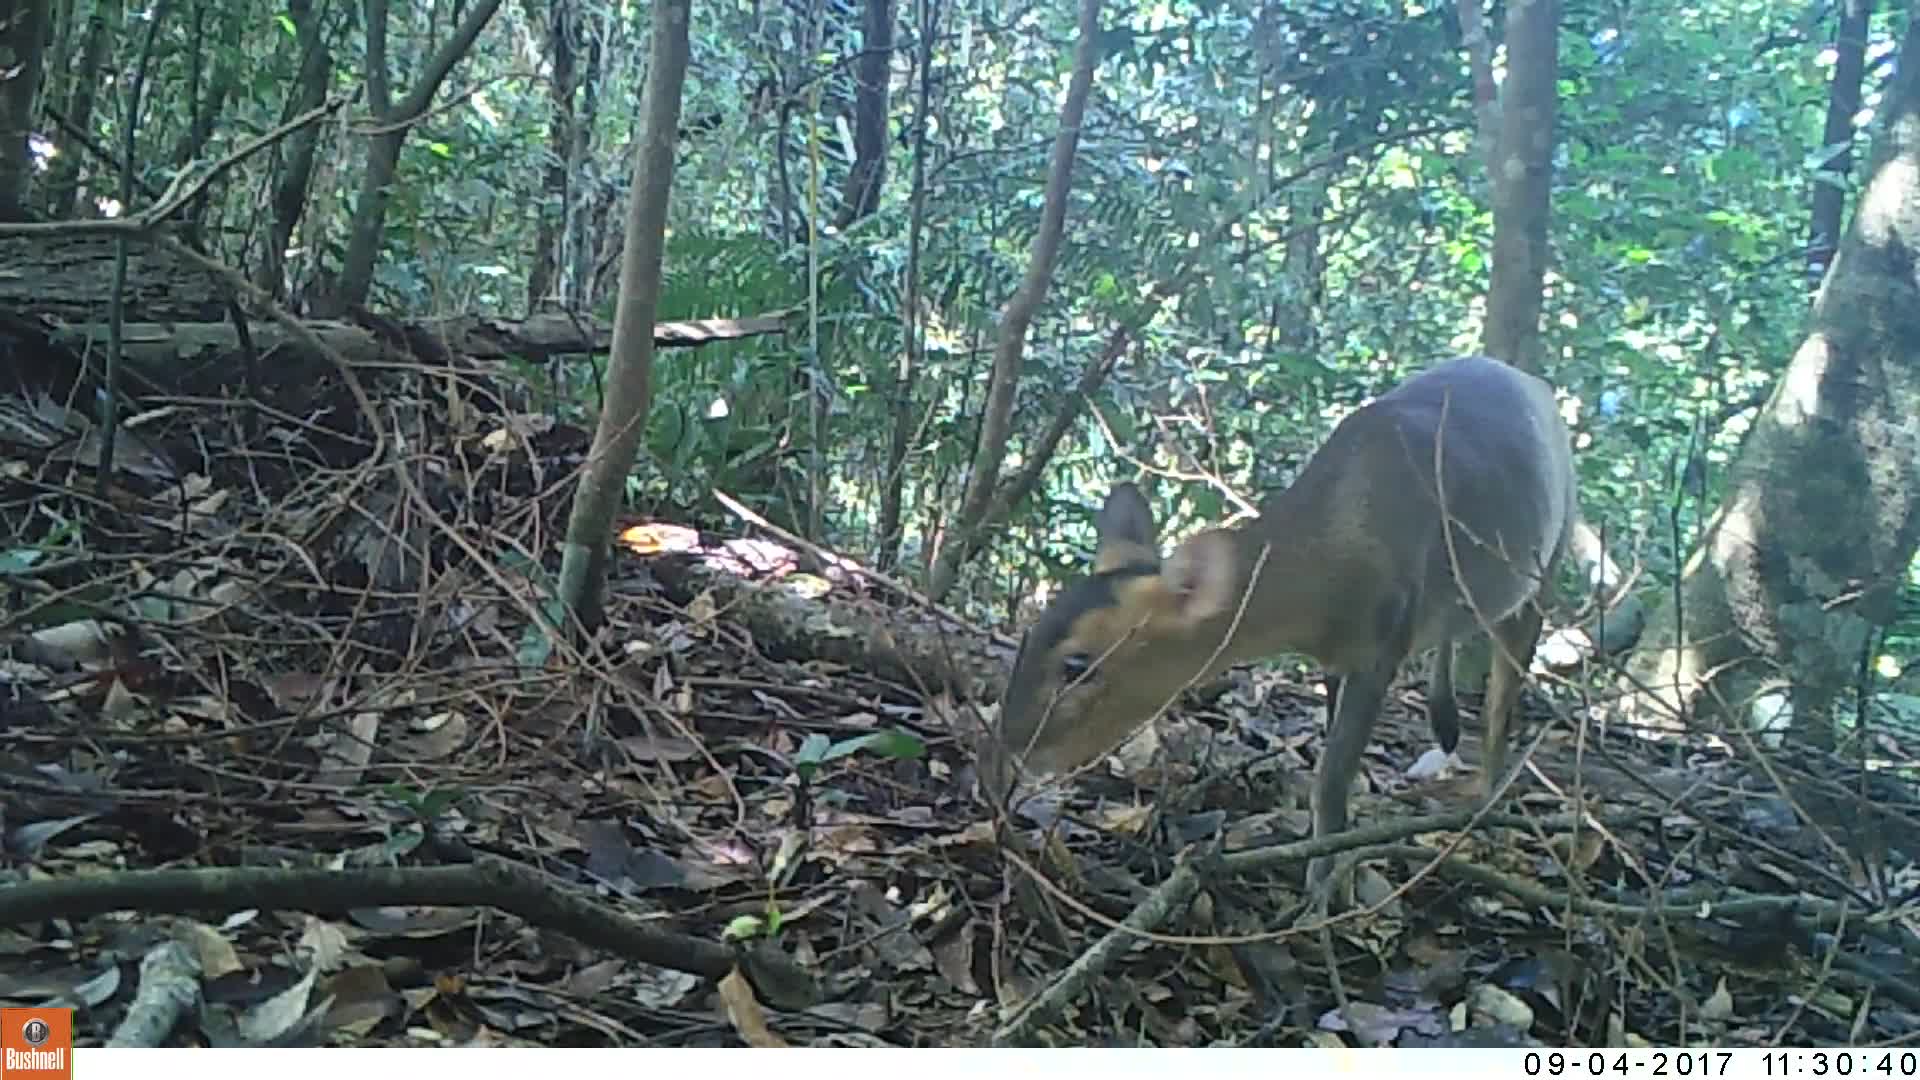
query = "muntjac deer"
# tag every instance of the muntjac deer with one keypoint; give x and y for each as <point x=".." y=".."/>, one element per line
<point x="1353" y="565"/>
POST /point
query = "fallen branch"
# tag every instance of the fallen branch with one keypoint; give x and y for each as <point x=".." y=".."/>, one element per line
<point x="1172" y="894"/>
<point x="1809" y="914"/>
<point x="892" y="644"/>
<point x="489" y="882"/>
<point x="169" y="991"/>
<point x="1159" y="905"/>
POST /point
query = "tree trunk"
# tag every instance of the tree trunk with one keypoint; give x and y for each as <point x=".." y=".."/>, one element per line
<point x="1843" y="101"/>
<point x="1807" y="554"/>
<point x="1516" y="130"/>
<point x="1296" y="315"/>
<point x="582" y="213"/>
<point x="383" y="149"/>
<point x="996" y="423"/>
<point x="1522" y="175"/>
<point x="904" y="416"/>
<point x="23" y="45"/>
<point x="623" y="417"/>
<point x="206" y="105"/>
<point x="861" y="195"/>
<point x="63" y="180"/>
<point x="61" y="15"/>
<point x="556" y="193"/>
<point x="314" y="63"/>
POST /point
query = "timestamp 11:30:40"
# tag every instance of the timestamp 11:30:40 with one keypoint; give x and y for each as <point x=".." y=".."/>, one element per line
<point x="1746" y="1064"/>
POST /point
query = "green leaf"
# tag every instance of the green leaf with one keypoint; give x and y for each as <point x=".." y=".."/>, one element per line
<point x="811" y="755"/>
<point x="893" y="743"/>
<point x="813" y="749"/>
<point x="403" y="842"/>
<point x="742" y="927"/>
<point x="19" y="560"/>
<point x="536" y="642"/>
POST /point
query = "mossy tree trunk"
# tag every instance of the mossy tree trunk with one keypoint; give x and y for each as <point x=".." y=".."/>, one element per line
<point x="1808" y="552"/>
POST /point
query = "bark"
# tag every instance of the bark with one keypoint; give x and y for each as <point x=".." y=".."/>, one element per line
<point x="57" y="86"/>
<point x="383" y="149"/>
<point x="1843" y="103"/>
<point x="157" y="346"/>
<point x="1522" y="175"/>
<point x="1040" y="450"/>
<point x="1516" y="129"/>
<point x="862" y="193"/>
<point x="623" y="417"/>
<point x="901" y="393"/>
<point x="63" y="179"/>
<point x="996" y="424"/>
<point x="583" y="213"/>
<point x="1486" y="97"/>
<point x="314" y="62"/>
<point x="1296" y="316"/>
<point x="1806" y="556"/>
<point x="205" y="105"/>
<point x="556" y="193"/>
<point x="72" y="279"/>
<point x="23" y="41"/>
<point x="61" y="14"/>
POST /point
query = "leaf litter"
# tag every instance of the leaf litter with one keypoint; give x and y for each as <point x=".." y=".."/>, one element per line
<point x="267" y="655"/>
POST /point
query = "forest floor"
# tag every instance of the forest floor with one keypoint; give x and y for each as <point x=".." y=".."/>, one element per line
<point x="237" y="659"/>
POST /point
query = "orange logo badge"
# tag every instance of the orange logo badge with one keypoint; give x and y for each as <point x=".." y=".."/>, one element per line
<point x="36" y="1044"/>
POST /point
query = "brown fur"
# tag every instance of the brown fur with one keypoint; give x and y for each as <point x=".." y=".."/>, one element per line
<point x="1355" y="571"/>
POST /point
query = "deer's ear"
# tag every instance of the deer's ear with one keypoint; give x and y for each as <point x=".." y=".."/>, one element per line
<point x="1126" y="530"/>
<point x="1203" y="577"/>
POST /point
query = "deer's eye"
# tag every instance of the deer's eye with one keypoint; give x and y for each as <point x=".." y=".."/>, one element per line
<point x="1073" y="665"/>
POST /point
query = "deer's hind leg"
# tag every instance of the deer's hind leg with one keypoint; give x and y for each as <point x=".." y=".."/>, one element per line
<point x="1514" y="640"/>
<point x="1443" y="708"/>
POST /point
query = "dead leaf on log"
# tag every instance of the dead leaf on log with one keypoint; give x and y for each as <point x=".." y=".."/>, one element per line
<point x="744" y="1012"/>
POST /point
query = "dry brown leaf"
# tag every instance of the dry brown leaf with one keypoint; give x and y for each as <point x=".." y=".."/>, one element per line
<point x="975" y="834"/>
<point x="658" y="748"/>
<point x="70" y="645"/>
<point x="745" y="1014"/>
<point x="953" y="959"/>
<point x="595" y="979"/>
<point x="121" y="703"/>
<point x="1127" y="820"/>
<point x="215" y="953"/>
<point x="1582" y="857"/>
<point x="1718" y="1006"/>
<point x="323" y="943"/>
<point x="362" y="999"/>
<point x="715" y="786"/>
<point x="436" y="737"/>
<point x="702" y="609"/>
<point x="345" y="757"/>
<point x="294" y="690"/>
<point x="657" y="537"/>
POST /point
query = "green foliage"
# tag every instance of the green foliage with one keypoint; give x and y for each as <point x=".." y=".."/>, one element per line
<point x="1303" y="181"/>
<point x="538" y="637"/>
<point x="426" y="806"/>
<point x="816" y="750"/>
